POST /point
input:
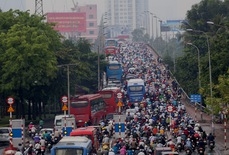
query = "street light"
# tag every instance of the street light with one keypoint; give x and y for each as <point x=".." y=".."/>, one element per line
<point x="210" y="70"/>
<point x="198" y="62"/>
<point x="68" y="82"/>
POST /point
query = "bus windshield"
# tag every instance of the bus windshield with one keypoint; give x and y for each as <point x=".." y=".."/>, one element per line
<point x="111" y="43"/>
<point x="136" y="88"/>
<point x="79" y="104"/>
<point x="97" y="105"/>
<point x="68" y="151"/>
<point x="114" y="67"/>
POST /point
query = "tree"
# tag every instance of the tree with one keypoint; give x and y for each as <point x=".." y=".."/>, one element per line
<point x="27" y="55"/>
<point x="216" y="35"/>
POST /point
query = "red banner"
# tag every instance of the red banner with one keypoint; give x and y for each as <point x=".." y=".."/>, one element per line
<point x="68" y="21"/>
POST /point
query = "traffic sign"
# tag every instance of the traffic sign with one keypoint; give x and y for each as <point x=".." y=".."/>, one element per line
<point x="195" y="98"/>
<point x="170" y="108"/>
<point x="10" y="100"/>
<point x="64" y="108"/>
<point x="11" y="109"/>
<point x="119" y="95"/>
<point x="64" y="99"/>
<point x="119" y="104"/>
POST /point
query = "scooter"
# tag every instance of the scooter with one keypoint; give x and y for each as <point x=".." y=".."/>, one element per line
<point x="42" y="150"/>
<point x="201" y="151"/>
<point x="211" y="145"/>
<point x="188" y="151"/>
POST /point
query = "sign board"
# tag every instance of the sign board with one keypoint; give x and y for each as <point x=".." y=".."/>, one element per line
<point x="119" y="104"/>
<point x="170" y="108"/>
<point x="195" y="98"/>
<point x="64" y="108"/>
<point x="10" y="100"/>
<point x="64" y="99"/>
<point x="11" y="109"/>
<point x="119" y="95"/>
<point x="18" y="132"/>
<point x="68" y="124"/>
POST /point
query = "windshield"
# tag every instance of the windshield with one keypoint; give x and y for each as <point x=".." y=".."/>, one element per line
<point x="58" y="122"/>
<point x="114" y="67"/>
<point x="2" y="131"/>
<point x="69" y="151"/>
<point x="79" y="104"/>
<point x="111" y="43"/>
<point x="136" y="88"/>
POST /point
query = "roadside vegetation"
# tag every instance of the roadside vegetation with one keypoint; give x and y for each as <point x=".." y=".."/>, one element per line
<point x="209" y="21"/>
<point x="33" y="65"/>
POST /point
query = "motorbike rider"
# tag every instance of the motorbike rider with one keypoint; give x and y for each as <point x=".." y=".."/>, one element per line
<point x="37" y="147"/>
<point x="188" y="144"/>
<point x="36" y="138"/>
<point x="201" y="144"/>
<point x="211" y="138"/>
<point x="41" y="123"/>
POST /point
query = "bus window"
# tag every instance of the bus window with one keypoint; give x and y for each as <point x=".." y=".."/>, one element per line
<point x="106" y="96"/>
<point x="97" y="105"/>
<point x="68" y="151"/>
<point x="136" y="88"/>
<point x="79" y="104"/>
<point x="114" y="67"/>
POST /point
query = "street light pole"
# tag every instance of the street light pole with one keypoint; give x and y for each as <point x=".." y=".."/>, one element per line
<point x="210" y="70"/>
<point x="198" y="63"/>
<point x="68" y="82"/>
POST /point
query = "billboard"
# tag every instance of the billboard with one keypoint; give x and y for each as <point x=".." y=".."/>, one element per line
<point x="68" y="21"/>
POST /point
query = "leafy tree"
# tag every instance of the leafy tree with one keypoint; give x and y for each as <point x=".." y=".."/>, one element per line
<point x="138" y="35"/>
<point x="26" y="56"/>
<point x="203" y="34"/>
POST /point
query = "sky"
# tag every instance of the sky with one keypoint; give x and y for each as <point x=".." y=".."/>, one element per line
<point x="164" y="9"/>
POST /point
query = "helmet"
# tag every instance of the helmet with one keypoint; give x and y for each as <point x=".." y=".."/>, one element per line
<point x="188" y="139"/>
<point x="31" y="123"/>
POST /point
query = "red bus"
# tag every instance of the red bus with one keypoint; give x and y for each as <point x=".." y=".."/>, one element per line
<point x="110" y="97"/>
<point x="89" y="109"/>
<point x="111" y="47"/>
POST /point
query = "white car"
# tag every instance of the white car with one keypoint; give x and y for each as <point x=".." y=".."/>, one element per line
<point x="4" y="134"/>
<point x="49" y="130"/>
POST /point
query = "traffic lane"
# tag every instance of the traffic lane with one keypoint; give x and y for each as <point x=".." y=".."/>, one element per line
<point x="207" y="127"/>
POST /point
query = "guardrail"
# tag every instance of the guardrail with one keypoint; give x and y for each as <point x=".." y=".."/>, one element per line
<point x="185" y="96"/>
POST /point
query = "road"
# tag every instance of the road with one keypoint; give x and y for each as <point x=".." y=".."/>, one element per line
<point x="208" y="128"/>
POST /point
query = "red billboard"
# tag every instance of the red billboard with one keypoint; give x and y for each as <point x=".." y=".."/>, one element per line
<point x="68" y="21"/>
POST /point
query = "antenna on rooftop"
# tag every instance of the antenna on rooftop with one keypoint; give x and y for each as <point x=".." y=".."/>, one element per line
<point x="39" y="7"/>
<point x="75" y="8"/>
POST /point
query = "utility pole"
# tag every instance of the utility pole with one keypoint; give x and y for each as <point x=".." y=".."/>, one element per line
<point x="39" y="7"/>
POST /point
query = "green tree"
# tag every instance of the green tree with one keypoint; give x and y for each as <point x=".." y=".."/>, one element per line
<point x="203" y="33"/>
<point x="27" y="56"/>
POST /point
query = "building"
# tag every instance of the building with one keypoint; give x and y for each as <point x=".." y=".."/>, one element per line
<point x="82" y="22"/>
<point x="123" y="16"/>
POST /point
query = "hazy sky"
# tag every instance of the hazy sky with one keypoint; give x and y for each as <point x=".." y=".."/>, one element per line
<point x="164" y="9"/>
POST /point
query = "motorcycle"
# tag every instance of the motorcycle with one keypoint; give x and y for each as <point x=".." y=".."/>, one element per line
<point x="201" y="151"/>
<point x="49" y="146"/>
<point x="188" y="151"/>
<point x="42" y="150"/>
<point x="179" y="147"/>
<point x="211" y="145"/>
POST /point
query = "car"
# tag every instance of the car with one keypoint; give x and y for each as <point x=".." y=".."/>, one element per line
<point x="4" y="134"/>
<point x="49" y="130"/>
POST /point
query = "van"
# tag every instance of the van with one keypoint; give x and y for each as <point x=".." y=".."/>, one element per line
<point x="58" y="121"/>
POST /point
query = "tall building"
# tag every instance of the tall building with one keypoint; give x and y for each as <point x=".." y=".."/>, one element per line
<point x="123" y="16"/>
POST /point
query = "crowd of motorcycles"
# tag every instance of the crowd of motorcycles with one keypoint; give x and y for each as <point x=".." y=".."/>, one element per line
<point x="183" y="133"/>
<point x="39" y="144"/>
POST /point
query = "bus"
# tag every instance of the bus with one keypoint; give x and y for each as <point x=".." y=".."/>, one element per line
<point x="114" y="71"/>
<point x="88" y="109"/>
<point x="111" y="47"/>
<point x="68" y="145"/>
<point x="110" y="97"/>
<point x="90" y="132"/>
<point x="135" y="90"/>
